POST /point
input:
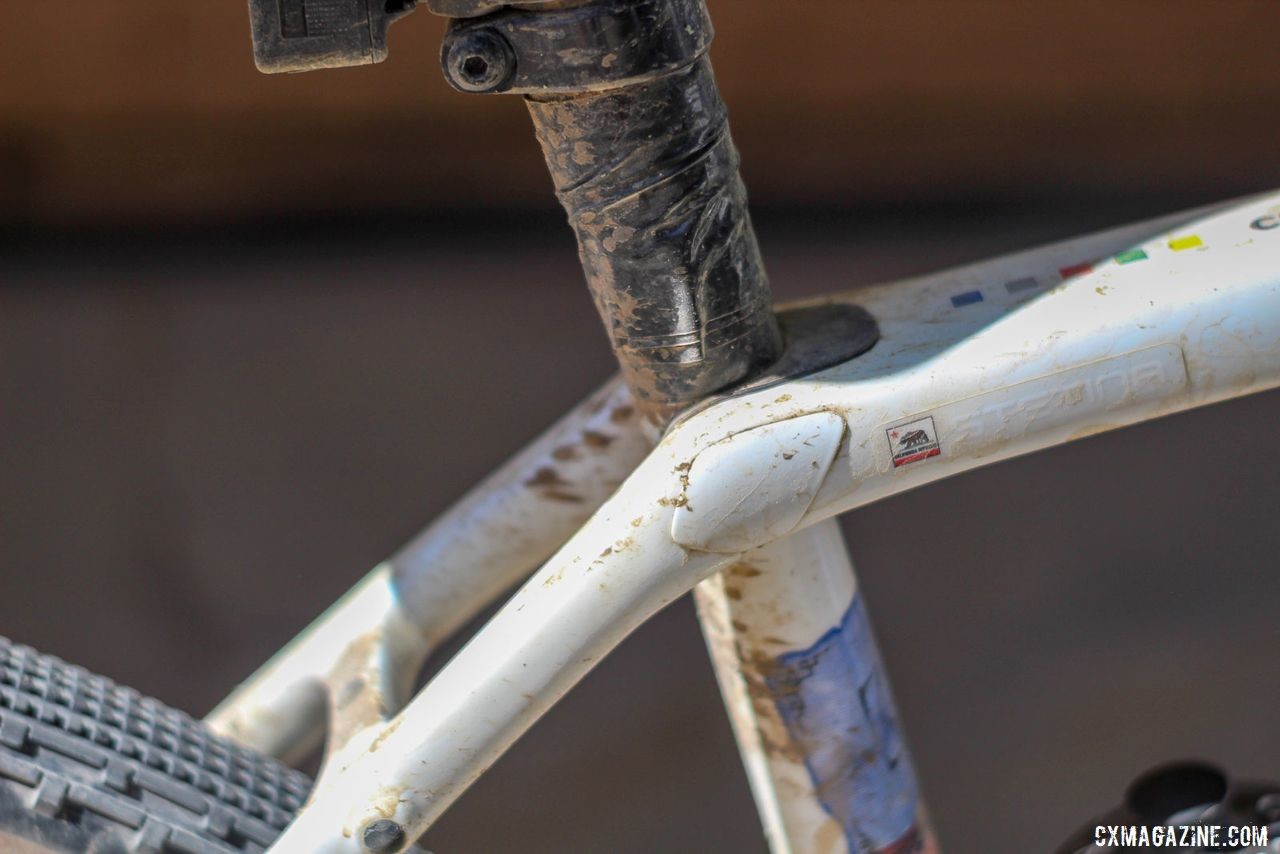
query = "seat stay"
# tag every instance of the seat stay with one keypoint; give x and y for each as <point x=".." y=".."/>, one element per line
<point x="370" y="645"/>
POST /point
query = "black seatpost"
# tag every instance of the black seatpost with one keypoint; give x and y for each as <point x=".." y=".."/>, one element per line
<point x="636" y="136"/>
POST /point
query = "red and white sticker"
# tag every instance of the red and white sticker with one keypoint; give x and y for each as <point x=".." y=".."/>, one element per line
<point x="914" y="441"/>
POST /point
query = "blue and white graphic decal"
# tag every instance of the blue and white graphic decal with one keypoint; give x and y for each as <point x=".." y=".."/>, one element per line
<point x="836" y="707"/>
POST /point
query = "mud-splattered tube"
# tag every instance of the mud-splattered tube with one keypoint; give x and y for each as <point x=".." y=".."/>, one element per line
<point x="649" y="177"/>
<point x="810" y="705"/>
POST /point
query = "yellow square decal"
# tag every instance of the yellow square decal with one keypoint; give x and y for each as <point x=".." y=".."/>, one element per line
<point x="1191" y="241"/>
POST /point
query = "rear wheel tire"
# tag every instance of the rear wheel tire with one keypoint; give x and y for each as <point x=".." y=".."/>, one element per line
<point x="89" y="766"/>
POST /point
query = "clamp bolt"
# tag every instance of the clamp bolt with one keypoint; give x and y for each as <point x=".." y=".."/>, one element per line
<point x="382" y="836"/>
<point x="480" y="61"/>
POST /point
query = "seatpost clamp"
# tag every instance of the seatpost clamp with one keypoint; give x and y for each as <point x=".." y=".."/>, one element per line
<point x="586" y="48"/>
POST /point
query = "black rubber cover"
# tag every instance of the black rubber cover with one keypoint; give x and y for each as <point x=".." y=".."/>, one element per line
<point x="87" y="765"/>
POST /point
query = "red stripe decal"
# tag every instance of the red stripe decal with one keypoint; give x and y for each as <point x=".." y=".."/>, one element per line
<point x="915" y="458"/>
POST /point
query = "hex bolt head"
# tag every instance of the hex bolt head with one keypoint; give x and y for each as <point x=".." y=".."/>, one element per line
<point x="382" y="836"/>
<point x="479" y="61"/>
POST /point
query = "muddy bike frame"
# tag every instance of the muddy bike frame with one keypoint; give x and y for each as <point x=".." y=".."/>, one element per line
<point x="737" y="501"/>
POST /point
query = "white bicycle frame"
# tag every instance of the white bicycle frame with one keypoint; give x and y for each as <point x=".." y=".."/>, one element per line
<point x="737" y="502"/>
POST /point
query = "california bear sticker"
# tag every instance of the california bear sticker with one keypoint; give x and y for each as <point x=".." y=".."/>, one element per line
<point x="914" y="441"/>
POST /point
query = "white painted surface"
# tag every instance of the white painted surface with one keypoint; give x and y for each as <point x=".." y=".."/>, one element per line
<point x="755" y="486"/>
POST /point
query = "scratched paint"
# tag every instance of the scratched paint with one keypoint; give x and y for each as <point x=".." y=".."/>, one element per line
<point x="835" y="703"/>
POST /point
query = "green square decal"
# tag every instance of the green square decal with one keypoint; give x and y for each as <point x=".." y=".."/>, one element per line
<point x="1131" y="256"/>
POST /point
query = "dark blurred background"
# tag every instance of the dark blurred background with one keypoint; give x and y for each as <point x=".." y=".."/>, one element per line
<point x="245" y="320"/>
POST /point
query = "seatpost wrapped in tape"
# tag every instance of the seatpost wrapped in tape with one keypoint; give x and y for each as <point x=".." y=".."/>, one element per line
<point x="636" y="136"/>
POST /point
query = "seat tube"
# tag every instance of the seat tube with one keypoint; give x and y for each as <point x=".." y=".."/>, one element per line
<point x="809" y="700"/>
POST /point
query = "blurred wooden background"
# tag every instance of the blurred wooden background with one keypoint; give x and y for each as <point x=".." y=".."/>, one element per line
<point x="126" y="111"/>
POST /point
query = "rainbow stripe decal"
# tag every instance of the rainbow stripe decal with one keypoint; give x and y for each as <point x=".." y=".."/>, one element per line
<point x="1129" y="256"/>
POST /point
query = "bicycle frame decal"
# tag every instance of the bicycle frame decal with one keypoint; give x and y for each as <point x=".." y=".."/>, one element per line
<point x="966" y="298"/>
<point x="989" y="420"/>
<point x="914" y="441"/>
<point x="836" y="706"/>
<point x="1182" y="244"/>
<point x="1075" y="271"/>
<point x="1132" y="256"/>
